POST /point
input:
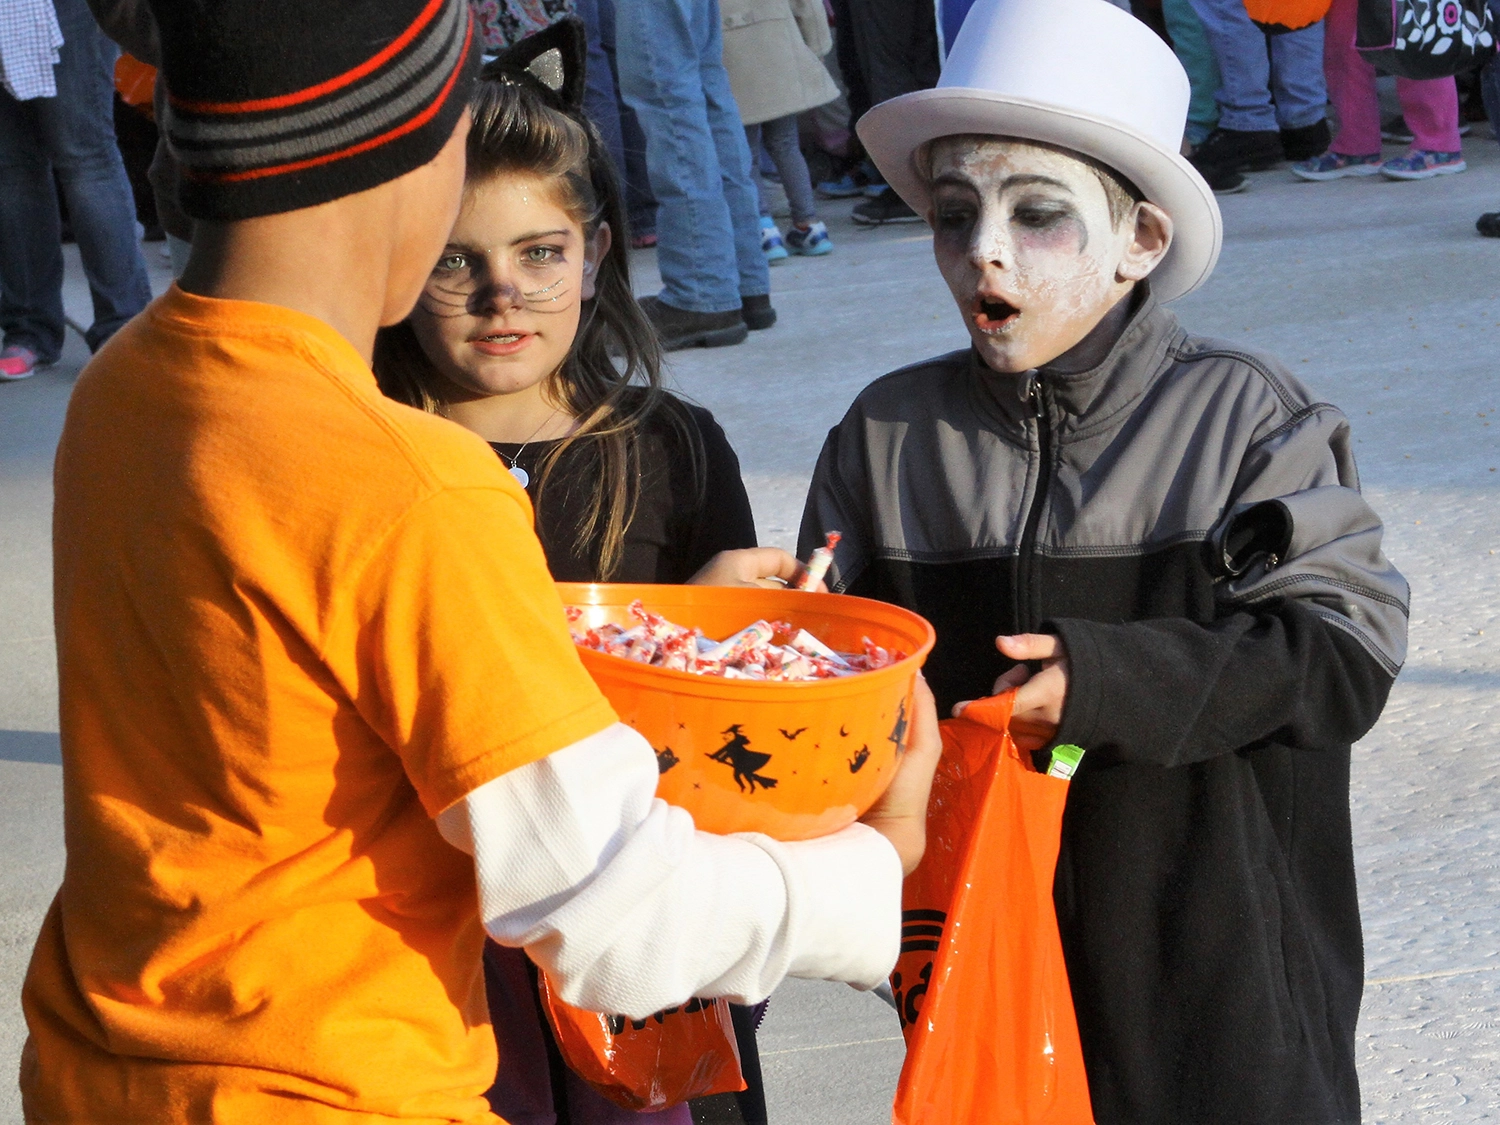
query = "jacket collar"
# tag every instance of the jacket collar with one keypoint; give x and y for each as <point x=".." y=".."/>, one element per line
<point x="1082" y="402"/>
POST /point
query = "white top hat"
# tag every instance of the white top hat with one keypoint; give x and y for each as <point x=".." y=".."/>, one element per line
<point x="1081" y="74"/>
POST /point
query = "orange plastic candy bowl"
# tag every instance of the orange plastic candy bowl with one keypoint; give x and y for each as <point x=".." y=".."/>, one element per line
<point x="792" y="760"/>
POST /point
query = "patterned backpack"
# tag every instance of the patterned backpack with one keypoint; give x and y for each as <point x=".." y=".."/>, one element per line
<point x="1425" y="38"/>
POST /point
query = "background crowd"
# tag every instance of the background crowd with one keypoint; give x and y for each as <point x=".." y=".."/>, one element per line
<point x="720" y="117"/>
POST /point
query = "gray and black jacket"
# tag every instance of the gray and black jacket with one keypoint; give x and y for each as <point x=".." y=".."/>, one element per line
<point x="1187" y="517"/>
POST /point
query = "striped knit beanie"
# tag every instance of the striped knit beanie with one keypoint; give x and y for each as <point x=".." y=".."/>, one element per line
<point x="275" y="105"/>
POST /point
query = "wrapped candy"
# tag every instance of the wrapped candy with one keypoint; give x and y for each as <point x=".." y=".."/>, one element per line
<point x="816" y="568"/>
<point x="762" y="650"/>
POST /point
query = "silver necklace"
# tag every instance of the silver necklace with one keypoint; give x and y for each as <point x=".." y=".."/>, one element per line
<point x="523" y="478"/>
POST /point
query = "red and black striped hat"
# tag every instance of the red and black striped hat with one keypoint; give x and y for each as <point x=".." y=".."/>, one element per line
<point x="275" y="105"/>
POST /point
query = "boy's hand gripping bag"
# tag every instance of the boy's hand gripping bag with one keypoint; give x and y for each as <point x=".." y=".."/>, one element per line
<point x="650" y="1064"/>
<point x="980" y="986"/>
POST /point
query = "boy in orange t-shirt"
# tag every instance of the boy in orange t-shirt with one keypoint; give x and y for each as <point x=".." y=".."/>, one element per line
<point x="310" y="656"/>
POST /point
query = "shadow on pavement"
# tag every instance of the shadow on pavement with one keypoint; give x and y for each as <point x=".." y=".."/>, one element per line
<point x="37" y="746"/>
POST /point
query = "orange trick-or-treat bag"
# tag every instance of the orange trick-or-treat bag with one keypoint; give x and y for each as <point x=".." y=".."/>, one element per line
<point x="980" y="986"/>
<point x="650" y="1064"/>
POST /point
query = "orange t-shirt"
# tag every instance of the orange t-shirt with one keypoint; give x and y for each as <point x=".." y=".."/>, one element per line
<point x="295" y="621"/>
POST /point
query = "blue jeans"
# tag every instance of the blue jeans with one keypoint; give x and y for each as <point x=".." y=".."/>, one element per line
<point x="600" y="102"/>
<point x="73" y="135"/>
<point x="1254" y="65"/>
<point x="616" y="122"/>
<point x="671" y="65"/>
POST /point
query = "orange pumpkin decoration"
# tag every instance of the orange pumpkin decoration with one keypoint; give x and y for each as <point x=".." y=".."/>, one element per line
<point x="1288" y="14"/>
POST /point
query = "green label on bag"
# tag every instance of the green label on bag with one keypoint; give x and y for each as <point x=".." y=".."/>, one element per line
<point x="1065" y="760"/>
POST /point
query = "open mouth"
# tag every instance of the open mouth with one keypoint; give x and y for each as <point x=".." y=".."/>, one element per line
<point x="501" y="337"/>
<point x="992" y="314"/>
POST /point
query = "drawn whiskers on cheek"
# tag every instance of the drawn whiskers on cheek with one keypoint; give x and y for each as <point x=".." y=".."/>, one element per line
<point x="444" y="303"/>
<point x="535" y="297"/>
<point x="448" y="302"/>
<point x="536" y="294"/>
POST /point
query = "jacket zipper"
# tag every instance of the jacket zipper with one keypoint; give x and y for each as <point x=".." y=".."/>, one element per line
<point x="1026" y="602"/>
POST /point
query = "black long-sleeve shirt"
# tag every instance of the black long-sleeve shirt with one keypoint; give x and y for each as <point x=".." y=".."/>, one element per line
<point x="680" y="522"/>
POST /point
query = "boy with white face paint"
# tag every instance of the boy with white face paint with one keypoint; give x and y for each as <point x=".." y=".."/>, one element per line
<point x="1158" y="539"/>
<point x="1040" y="248"/>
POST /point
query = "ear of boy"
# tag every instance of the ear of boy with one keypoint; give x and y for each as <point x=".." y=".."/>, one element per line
<point x="355" y="263"/>
<point x="1153" y="238"/>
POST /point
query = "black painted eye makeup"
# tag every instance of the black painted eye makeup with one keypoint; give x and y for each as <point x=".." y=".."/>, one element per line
<point x="953" y="210"/>
<point x="1042" y="218"/>
<point x="1040" y="212"/>
<point x="954" y="218"/>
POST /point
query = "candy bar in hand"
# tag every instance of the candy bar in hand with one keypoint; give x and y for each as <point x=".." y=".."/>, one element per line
<point x="762" y="650"/>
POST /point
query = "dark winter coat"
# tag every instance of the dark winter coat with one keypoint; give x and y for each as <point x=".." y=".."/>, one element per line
<point x="1187" y="517"/>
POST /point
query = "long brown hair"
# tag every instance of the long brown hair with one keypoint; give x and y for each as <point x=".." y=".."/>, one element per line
<point x="611" y="379"/>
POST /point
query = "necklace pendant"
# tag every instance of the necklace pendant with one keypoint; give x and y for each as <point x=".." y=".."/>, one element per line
<point x="523" y="478"/>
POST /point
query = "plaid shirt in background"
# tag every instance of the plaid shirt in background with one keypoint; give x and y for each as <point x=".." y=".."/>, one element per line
<point x="29" y="43"/>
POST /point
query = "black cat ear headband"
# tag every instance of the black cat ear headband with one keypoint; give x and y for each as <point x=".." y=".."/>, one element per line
<point x="552" y="60"/>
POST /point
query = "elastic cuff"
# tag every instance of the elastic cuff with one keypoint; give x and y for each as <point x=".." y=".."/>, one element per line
<point x="845" y="890"/>
<point x="1080" y="718"/>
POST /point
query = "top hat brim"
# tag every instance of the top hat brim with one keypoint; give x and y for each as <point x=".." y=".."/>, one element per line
<point x="894" y="130"/>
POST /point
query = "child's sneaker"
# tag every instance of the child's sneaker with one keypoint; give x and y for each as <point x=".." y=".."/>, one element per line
<point x="845" y="187"/>
<point x="851" y="183"/>
<point x="1333" y="165"/>
<point x="18" y="362"/>
<point x="1306" y="141"/>
<point x="810" y="243"/>
<point x="887" y="207"/>
<point x="770" y="240"/>
<point x="1419" y="164"/>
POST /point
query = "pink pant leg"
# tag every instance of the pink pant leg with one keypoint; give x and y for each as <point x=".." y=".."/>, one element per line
<point x="1351" y="84"/>
<point x="1430" y="107"/>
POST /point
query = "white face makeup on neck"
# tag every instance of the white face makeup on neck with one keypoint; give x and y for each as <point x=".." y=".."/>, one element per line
<point x="1024" y="238"/>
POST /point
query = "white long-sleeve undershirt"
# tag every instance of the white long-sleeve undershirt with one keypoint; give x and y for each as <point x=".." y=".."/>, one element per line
<point x="630" y="909"/>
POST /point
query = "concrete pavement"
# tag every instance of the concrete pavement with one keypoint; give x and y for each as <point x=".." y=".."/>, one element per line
<point x="1377" y="294"/>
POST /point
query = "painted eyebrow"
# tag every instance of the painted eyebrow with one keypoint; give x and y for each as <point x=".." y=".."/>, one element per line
<point x="1021" y="179"/>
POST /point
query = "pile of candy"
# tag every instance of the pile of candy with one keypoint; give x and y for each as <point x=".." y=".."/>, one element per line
<point x="766" y="650"/>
